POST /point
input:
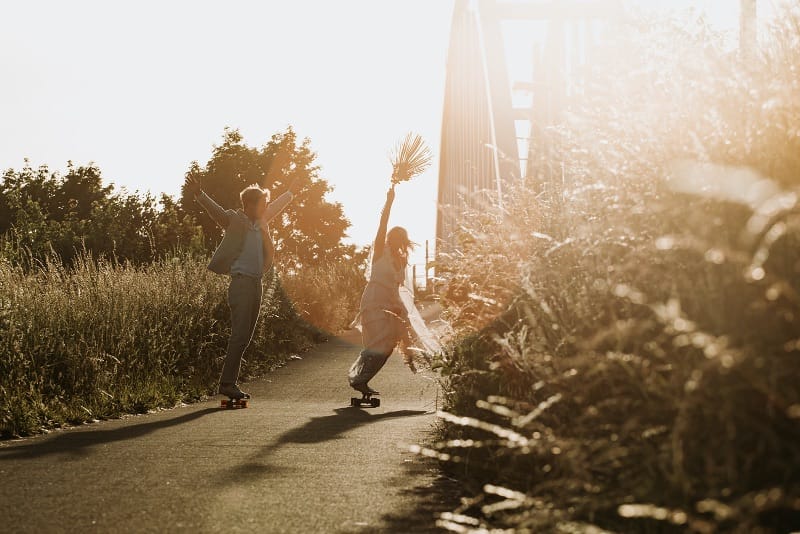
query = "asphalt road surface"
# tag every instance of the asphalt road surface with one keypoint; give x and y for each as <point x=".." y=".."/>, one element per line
<point x="298" y="459"/>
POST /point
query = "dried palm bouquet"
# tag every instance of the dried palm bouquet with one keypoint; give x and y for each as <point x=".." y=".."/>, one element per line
<point x="409" y="158"/>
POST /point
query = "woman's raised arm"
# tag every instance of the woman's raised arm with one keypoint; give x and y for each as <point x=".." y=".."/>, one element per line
<point x="380" y="238"/>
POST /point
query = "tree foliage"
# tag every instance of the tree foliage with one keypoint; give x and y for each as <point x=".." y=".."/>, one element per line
<point x="44" y="213"/>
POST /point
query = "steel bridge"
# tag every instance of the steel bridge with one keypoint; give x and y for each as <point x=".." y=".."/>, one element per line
<point x="502" y="93"/>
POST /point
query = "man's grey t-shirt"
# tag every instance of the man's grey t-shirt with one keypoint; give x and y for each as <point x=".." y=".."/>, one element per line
<point x="251" y="260"/>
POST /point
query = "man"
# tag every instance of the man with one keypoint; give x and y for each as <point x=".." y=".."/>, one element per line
<point x="245" y="253"/>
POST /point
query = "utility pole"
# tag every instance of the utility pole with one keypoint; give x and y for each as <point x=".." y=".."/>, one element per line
<point x="426" y="263"/>
<point x="427" y="266"/>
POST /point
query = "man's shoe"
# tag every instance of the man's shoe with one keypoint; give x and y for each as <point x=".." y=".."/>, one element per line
<point x="232" y="391"/>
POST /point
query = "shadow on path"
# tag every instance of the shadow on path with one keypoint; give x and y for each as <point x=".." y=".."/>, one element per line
<point x="316" y="430"/>
<point x="75" y="442"/>
<point x="328" y="427"/>
<point x="434" y="493"/>
<point x="429" y="500"/>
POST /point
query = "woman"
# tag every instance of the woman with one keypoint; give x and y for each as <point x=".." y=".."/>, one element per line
<point x="387" y="317"/>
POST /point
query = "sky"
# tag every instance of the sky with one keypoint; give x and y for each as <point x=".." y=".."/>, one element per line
<point x="143" y="88"/>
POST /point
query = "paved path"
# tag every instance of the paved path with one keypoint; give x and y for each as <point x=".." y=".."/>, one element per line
<point x="299" y="459"/>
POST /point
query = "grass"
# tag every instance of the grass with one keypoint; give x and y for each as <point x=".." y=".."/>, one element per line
<point x="628" y="349"/>
<point x="326" y="296"/>
<point x="101" y="339"/>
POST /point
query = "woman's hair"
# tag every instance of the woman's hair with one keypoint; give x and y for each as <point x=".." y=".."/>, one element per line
<point x="399" y="245"/>
<point x="253" y="193"/>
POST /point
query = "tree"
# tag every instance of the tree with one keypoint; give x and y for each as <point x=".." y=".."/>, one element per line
<point x="43" y="213"/>
<point x="310" y="230"/>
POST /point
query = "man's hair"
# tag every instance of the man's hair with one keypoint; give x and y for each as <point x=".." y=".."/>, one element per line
<point x="253" y="193"/>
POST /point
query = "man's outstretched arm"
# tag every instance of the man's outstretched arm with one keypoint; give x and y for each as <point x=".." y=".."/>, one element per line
<point x="280" y="203"/>
<point x="216" y="211"/>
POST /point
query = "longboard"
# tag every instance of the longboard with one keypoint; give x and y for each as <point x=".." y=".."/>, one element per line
<point x="233" y="403"/>
<point x="366" y="399"/>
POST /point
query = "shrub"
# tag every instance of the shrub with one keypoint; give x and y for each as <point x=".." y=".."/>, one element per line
<point x="629" y="337"/>
<point x="328" y="295"/>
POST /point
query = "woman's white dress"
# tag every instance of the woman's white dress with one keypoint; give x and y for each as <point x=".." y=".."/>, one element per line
<point x="387" y="319"/>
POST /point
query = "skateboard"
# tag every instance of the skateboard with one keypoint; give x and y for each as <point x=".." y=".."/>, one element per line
<point x="367" y="398"/>
<point x="231" y="404"/>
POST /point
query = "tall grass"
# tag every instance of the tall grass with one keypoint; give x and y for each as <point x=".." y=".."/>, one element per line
<point x="629" y="357"/>
<point x="328" y="295"/>
<point x="101" y="339"/>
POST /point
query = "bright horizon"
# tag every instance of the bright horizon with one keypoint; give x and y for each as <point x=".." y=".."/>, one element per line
<point x="143" y="89"/>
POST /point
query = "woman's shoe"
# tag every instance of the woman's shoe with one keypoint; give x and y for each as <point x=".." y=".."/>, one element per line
<point x="364" y="389"/>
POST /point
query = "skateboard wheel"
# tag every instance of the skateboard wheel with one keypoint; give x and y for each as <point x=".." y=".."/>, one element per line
<point x="244" y="404"/>
<point x="353" y="401"/>
<point x="375" y="402"/>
